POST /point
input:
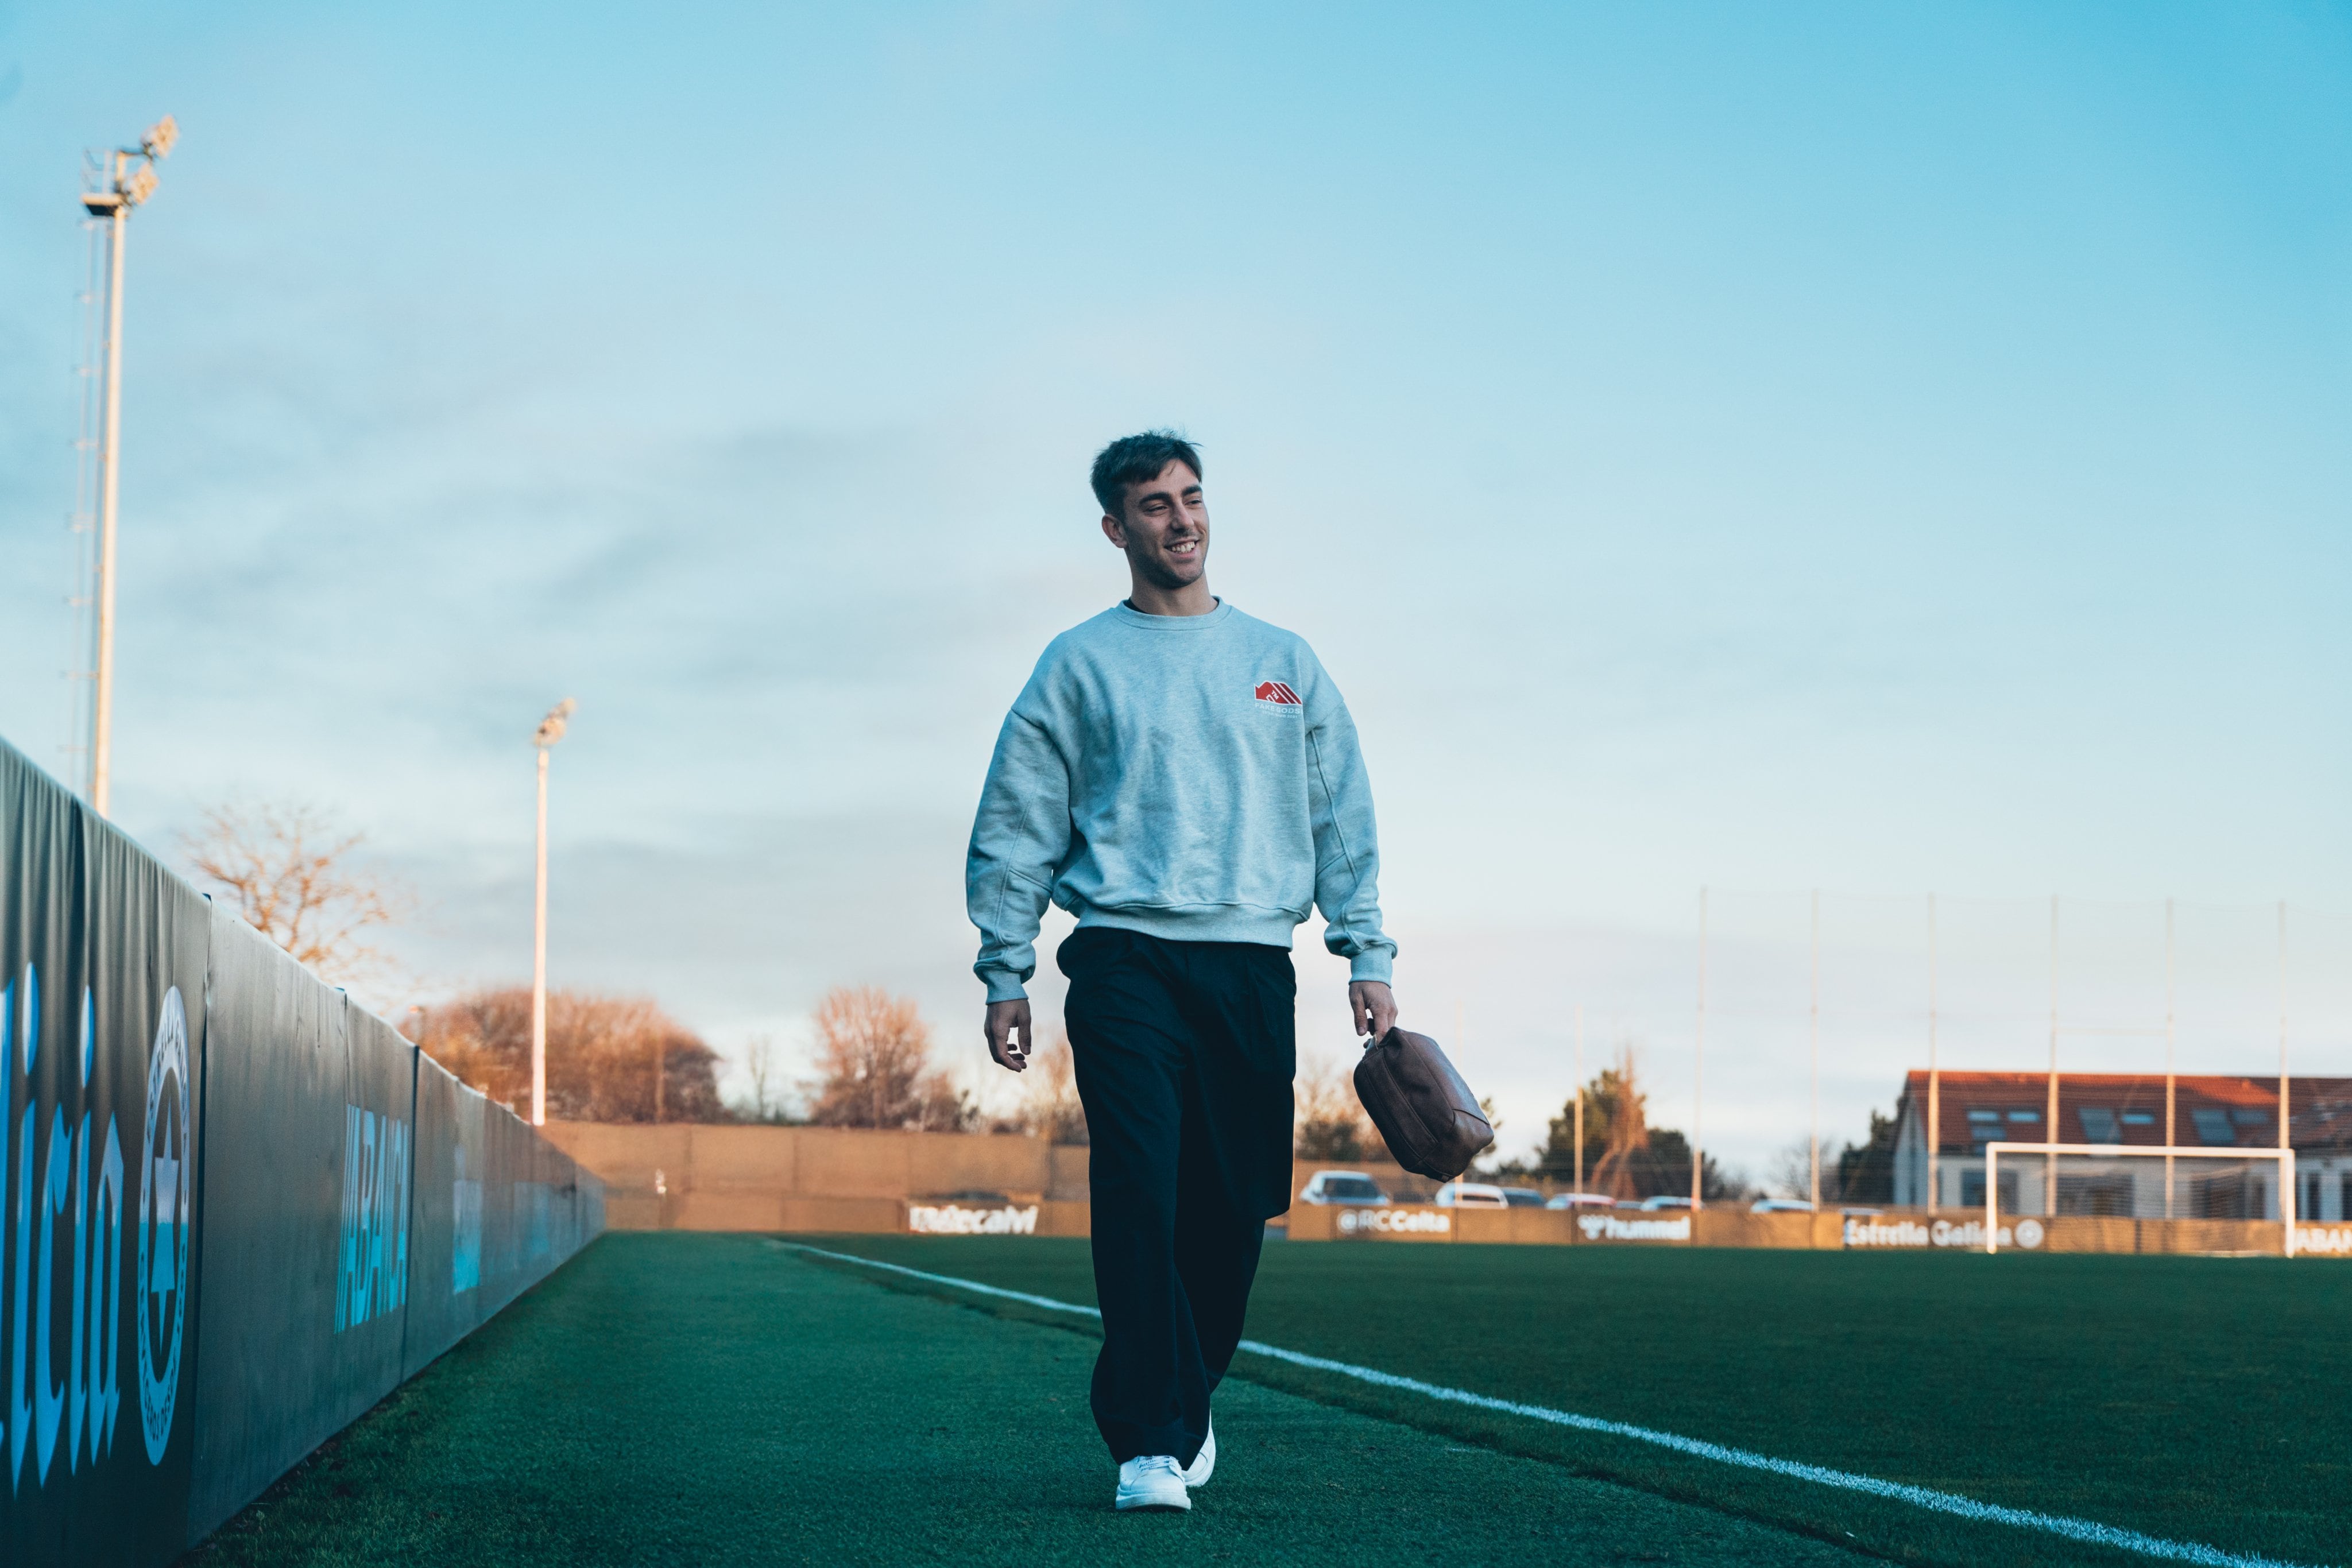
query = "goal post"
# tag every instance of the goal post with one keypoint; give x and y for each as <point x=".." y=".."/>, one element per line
<point x="2281" y="1158"/>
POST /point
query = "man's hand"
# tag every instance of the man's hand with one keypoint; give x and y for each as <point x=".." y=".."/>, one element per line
<point x="1371" y="1002"/>
<point x="1006" y="1019"/>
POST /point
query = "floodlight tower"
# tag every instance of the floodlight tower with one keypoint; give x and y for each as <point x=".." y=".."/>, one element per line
<point x="551" y="730"/>
<point x="127" y="179"/>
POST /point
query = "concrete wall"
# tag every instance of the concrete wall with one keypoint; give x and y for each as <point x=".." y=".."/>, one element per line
<point x="1544" y="1227"/>
<point x="686" y="1176"/>
<point x="683" y="1177"/>
<point x="1734" y="1226"/>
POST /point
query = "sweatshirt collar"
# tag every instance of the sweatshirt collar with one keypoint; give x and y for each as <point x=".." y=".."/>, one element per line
<point x="1129" y="616"/>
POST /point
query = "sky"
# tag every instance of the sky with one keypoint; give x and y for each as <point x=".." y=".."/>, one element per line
<point x="1878" y="450"/>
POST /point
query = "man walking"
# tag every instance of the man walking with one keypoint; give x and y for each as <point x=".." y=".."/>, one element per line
<point x="1184" y="779"/>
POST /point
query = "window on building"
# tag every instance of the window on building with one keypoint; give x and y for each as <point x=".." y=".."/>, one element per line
<point x="2139" y="1118"/>
<point x="2250" y="1118"/>
<point x="2308" y="1205"/>
<point x="2025" y="1116"/>
<point x="1984" y="1116"/>
<point x="2099" y="1124"/>
<point x="2343" y="1196"/>
<point x="2212" y="1125"/>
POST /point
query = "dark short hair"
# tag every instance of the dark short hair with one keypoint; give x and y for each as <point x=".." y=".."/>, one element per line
<point x="1134" y="460"/>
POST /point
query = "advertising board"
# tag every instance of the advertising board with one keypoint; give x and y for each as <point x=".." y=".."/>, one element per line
<point x="949" y="1218"/>
<point x="1402" y="1222"/>
<point x="209" y="1198"/>
<point x="1872" y="1231"/>
<point x="102" y="966"/>
<point x="2323" y="1240"/>
<point x="1636" y="1226"/>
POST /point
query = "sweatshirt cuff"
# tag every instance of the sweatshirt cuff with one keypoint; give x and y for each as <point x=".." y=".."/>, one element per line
<point x="1004" y="986"/>
<point x="1372" y="964"/>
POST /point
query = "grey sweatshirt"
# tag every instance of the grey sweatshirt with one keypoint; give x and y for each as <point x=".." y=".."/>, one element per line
<point x="1193" y="777"/>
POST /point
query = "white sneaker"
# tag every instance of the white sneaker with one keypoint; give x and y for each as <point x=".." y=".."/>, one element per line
<point x="1152" y="1482"/>
<point x="1204" y="1463"/>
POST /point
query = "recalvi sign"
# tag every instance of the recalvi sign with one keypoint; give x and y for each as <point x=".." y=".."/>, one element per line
<point x="956" y="1219"/>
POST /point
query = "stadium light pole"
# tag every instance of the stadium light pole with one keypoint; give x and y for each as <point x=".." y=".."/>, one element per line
<point x="2050" y="1161"/>
<point x="1814" y="1192"/>
<point x="130" y="180"/>
<point x="2287" y="1179"/>
<point x="551" y="730"/>
<point x="1935" y="1075"/>
<point x="1579" y="1096"/>
<point x="1698" y="1063"/>
<point x="2170" y="1039"/>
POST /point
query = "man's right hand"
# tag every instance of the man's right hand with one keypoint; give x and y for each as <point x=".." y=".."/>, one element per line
<point x="1006" y="1019"/>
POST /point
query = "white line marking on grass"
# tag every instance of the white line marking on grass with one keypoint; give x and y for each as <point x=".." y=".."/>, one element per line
<point x="2084" y="1530"/>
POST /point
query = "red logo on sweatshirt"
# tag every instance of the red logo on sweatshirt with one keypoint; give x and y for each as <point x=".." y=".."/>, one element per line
<point x="1277" y="692"/>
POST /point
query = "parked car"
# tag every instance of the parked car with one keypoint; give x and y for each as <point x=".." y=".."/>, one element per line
<point x="1352" y="1187"/>
<point x="1471" y="1195"/>
<point x="1581" y="1200"/>
<point x="1523" y="1198"/>
<point x="1653" y="1205"/>
<point x="1779" y="1205"/>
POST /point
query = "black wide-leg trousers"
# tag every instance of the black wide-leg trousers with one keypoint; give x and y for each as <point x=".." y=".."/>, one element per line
<point x="1185" y="1052"/>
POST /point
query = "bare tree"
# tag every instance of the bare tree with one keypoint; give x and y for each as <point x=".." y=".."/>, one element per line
<point x="759" y="1066"/>
<point x="1331" y="1122"/>
<point x="602" y="1055"/>
<point x="292" y="872"/>
<point x="874" y="1067"/>
<point x="1050" y="1107"/>
<point x="1625" y="1109"/>
<point x="1789" y="1172"/>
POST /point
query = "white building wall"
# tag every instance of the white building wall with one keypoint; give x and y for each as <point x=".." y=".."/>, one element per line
<point x="1911" y="1157"/>
<point x="2330" y="1172"/>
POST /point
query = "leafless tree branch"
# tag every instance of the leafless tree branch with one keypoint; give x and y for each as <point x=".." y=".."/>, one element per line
<point x="296" y="880"/>
<point x="873" y="1052"/>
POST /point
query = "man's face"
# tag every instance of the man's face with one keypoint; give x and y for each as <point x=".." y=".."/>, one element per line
<point x="1165" y="528"/>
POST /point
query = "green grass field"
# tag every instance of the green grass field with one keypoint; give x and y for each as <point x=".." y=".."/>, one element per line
<point x="727" y="1399"/>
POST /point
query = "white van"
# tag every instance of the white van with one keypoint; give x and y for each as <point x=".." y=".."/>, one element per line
<point x="1472" y="1195"/>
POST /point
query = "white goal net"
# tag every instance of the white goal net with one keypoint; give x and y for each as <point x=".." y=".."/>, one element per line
<point x="2118" y="1181"/>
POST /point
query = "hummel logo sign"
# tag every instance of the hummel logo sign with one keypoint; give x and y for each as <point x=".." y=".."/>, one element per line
<point x="1275" y="692"/>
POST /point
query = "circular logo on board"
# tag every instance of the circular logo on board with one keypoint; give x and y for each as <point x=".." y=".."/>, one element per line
<point x="166" y="1172"/>
<point x="2029" y="1233"/>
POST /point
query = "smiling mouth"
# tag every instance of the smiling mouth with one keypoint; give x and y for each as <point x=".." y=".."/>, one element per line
<point x="1185" y="546"/>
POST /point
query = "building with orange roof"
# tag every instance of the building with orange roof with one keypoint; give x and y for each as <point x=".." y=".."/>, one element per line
<point x="2198" y="1110"/>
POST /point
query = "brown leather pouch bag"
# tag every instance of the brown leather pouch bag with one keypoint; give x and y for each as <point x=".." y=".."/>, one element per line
<point x="1426" y="1114"/>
